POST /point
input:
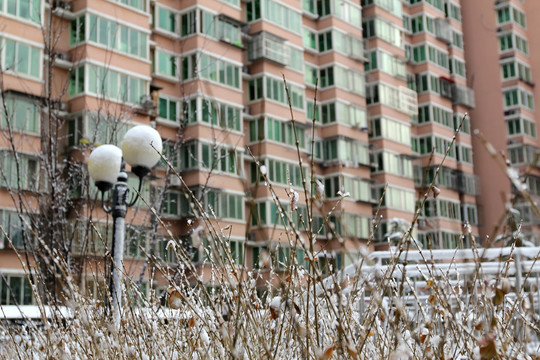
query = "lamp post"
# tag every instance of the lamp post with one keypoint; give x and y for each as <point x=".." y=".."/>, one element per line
<point x="141" y="148"/>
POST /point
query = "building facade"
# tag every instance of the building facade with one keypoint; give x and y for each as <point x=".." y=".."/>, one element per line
<point x="374" y="92"/>
<point x="502" y="62"/>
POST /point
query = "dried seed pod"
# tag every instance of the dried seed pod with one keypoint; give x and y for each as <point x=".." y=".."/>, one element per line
<point x="488" y="349"/>
<point x="175" y="299"/>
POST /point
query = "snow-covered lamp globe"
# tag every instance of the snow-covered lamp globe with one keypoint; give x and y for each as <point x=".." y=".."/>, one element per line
<point x="141" y="148"/>
<point x="104" y="165"/>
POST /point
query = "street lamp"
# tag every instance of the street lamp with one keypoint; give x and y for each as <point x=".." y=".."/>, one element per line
<point x="141" y="149"/>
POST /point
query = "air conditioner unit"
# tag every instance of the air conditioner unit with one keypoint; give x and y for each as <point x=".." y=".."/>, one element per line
<point x="245" y="69"/>
<point x="62" y="106"/>
<point x="510" y="112"/>
<point x="422" y="223"/>
<point x="247" y="110"/>
<point x="63" y="5"/>
<point x="62" y="56"/>
<point x="147" y="102"/>
<point x="175" y="180"/>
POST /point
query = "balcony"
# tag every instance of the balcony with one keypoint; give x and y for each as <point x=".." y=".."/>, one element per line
<point x="443" y="30"/>
<point x="270" y="47"/>
<point x="408" y="101"/>
<point x="462" y="95"/>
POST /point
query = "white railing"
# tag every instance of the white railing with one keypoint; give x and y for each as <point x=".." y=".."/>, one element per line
<point x="450" y="263"/>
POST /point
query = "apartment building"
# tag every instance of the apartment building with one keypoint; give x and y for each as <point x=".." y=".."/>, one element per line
<point x="502" y="59"/>
<point x="374" y="93"/>
<point x="417" y="97"/>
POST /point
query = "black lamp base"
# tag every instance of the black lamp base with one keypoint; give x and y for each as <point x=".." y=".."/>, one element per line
<point x="140" y="171"/>
<point x="104" y="186"/>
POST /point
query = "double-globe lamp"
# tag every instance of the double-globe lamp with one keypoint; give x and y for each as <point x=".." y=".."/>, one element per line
<point x="141" y="149"/>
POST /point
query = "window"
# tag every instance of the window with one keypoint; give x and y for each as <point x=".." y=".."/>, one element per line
<point x="274" y="12"/>
<point x="22" y="171"/>
<point x="222" y="115"/>
<point x="325" y="41"/>
<point x="417" y="24"/>
<point x="345" y="150"/>
<point x="457" y="67"/>
<point x="511" y="41"/>
<point x="522" y="45"/>
<point x="168" y="109"/>
<point x="509" y="71"/>
<point x="232" y="2"/>
<point x="523" y="154"/>
<point x="390" y="129"/>
<point x="503" y="15"/>
<point x="164" y="63"/>
<point x="385" y="62"/>
<point x="219" y="28"/>
<point x="392" y="163"/>
<point x="21" y="58"/>
<point x="15" y="290"/>
<point x="429" y="113"/>
<point x="170" y="154"/>
<point x="359" y="189"/>
<point x="165" y="19"/>
<point x="212" y="69"/>
<point x="342" y="77"/>
<point x="443" y="208"/>
<point x="284" y="172"/>
<point x="518" y="97"/>
<point x="276" y="130"/>
<point x="137" y="4"/>
<point x="464" y="154"/>
<point x="457" y="39"/>
<point x="505" y="42"/>
<point x="266" y="45"/>
<point x="345" y="10"/>
<point x="24" y="9"/>
<point x="355" y="225"/>
<point x="14" y="228"/>
<point x="455" y="11"/>
<point x="344" y="114"/>
<point x="419" y="54"/>
<point x="310" y="39"/>
<point x="427" y="82"/>
<point x="438" y="57"/>
<point x="520" y="126"/>
<point x="106" y="82"/>
<point x="518" y="17"/>
<point x="402" y="98"/>
<point x="23" y="115"/>
<point x="189" y="23"/>
<point x="96" y="130"/>
<point x="216" y="202"/>
<point x="198" y="155"/>
<point x="347" y="44"/>
<point x="136" y="242"/>
<point x="111" y="35"/>
<point x="310" y="74"/>
<point x="275" y="90"/>
<point x="171" y="203"/>
<point x="466" y="127"/>
<point x="426" y="144"/>
<point x="77" y="30"/>
<point x="397" y="198"/>
<point x="524" y="72"/>
<point x="393" y="6"/>
<point x="386" y="31"/>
